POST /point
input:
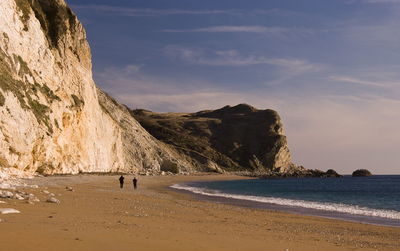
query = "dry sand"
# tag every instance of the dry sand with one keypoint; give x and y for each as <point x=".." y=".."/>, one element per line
<point x="98" y="215"/>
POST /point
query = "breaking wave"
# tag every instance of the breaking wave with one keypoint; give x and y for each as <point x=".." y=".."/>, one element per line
<point x="333" y="207"/>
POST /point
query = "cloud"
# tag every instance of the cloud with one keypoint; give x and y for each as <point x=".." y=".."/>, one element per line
<point x="140" y="90"/>
<point x="234" y="58"/>
<point x="284" y="68"/>
<point x="373" y="1"/>
<point x="151" y="12"/>
<point x="375" y="30"/>
<point x="182" y="102"/>
<point x="276" y="31"/>
<point x="381" y="1"/>
<point x="346" y="79"/>
<point x="385" y="34"/>
<point x="219" y="29"/>
<point x="137" y="12"/>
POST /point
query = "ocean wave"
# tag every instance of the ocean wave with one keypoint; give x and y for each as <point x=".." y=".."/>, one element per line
<point x="333" y="207"/>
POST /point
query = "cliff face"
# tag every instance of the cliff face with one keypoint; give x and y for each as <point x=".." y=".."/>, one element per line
<point x="230" y="138"/>
<point x="51" y="120"/>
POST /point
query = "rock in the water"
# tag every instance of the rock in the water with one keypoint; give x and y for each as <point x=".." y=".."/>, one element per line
<point x="361" y="173"/>
<point x="53" y="200"/>
<point x="300" y="172"/>
<point x="9" y="211"/>
<point x="332" y="173"/>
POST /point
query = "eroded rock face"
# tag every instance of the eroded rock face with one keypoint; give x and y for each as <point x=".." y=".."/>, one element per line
<point x="231" y="138"/>
<point x="51" y="120"/>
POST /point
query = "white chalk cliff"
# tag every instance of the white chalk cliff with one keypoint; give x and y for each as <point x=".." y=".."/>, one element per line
<point x="51" y="120"/>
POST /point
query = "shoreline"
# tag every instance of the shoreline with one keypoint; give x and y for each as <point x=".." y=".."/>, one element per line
<point x="232" y="199"/>
<point x="98" y="215"/>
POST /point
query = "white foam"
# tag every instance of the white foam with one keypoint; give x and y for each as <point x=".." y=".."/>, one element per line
<point x="9" y="211"/>
<point x="333" y="207"/>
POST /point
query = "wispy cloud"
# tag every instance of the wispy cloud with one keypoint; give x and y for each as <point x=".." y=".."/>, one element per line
<point x="373" y="1"/>
<point x="234" y="58"/>
<point x="131" y="86"/>
<point x="149" y="12"/>
<point x="280" y="31"/>
<point x="284" y="68"/>
<point x="384" y="35"/>
<point x="252" y="29"/>
<point x="381" y="1"/>
<point x="352" y="80"/>
<point x="124" y="11"/>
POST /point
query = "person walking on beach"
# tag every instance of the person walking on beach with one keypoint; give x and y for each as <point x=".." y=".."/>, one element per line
<point x="121" y="181"/>
<point x="134" y="183"/>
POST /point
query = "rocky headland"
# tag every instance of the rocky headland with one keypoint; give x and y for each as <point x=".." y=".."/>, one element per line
<point x="234" y="138"/>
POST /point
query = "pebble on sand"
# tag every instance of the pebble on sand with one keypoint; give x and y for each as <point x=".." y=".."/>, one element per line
<point x="69" y="189"/>
<point x="18" y="197"/>
<point x="53" y="200"/>
<point x="6" y="194"/>
<point x="9" y="211"/>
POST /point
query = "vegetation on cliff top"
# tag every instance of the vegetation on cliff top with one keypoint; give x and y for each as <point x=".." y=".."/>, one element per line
<point x="25" y="8"/>
<point x="2" y="99"/>
<point x="77" y="101"/>
<point x="54" y="18"/>
<point x="10" y="69"/>
<point x="8" y="82"/>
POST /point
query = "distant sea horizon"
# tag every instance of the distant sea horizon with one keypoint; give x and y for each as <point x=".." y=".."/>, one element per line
<point x="374" y="199"/>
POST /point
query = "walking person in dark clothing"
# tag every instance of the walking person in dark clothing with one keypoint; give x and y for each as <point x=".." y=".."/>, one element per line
<point x="134" y="183"/>
<point x="121" y="181"/>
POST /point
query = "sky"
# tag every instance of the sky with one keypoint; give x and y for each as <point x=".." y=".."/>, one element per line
<point x="330" y="68"/>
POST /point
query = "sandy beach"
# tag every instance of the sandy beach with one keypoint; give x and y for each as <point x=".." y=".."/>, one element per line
<point x="98" y="215"/>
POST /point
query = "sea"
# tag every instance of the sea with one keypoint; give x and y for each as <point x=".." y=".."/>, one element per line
<point x="372" y="200"/>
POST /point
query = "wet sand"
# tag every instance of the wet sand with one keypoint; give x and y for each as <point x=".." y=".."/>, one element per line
<point x="98" y="215"/>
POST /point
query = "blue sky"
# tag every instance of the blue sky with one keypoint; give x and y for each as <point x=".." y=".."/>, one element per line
<point x="330" y="68"/>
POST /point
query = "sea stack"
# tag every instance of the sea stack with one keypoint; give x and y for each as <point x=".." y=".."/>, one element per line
<point x="361" y="173"/>
<point x="332" y="173"/>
